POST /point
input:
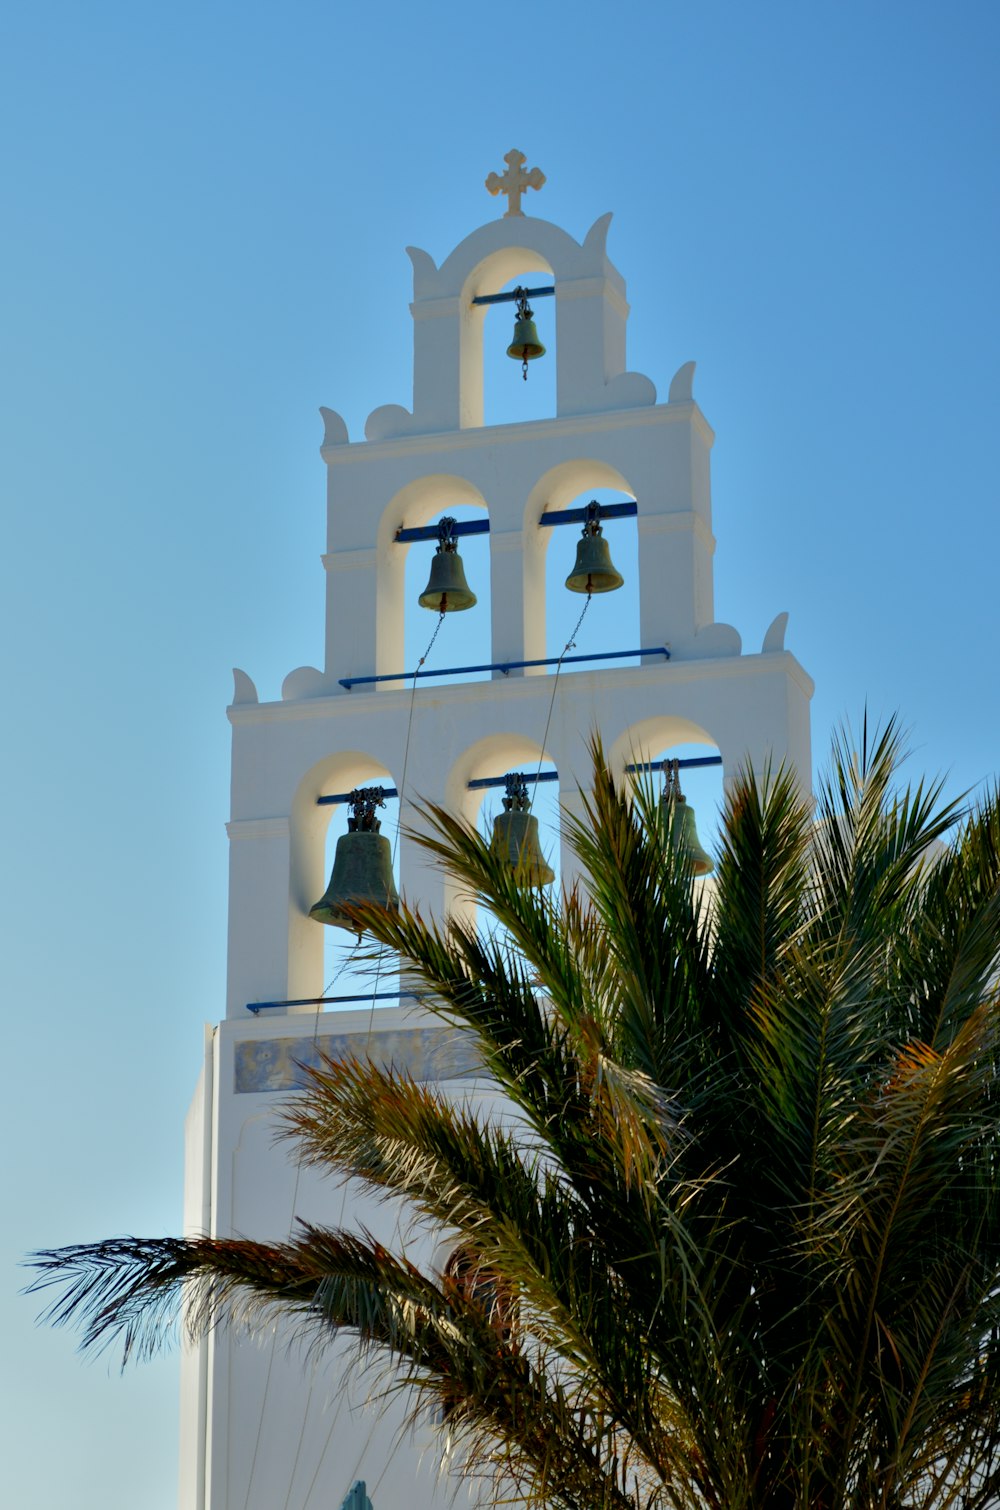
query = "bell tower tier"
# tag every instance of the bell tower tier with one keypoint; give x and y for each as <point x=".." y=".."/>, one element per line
<point x="258" y="1423"/>
<point x="516" y="473"/>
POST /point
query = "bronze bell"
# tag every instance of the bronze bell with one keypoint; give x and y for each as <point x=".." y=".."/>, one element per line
<point x="362" y="865"/>
<point x="594" y="570"/>
<point x="447" y="590"/>
<point x="515" y="837"/>
<point x="677" y="817"/>
<point x="525" y="346"/>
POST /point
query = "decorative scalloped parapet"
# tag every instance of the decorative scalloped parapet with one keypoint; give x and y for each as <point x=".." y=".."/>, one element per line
<point x="388" y="421"/>
<point x="629" y="390"/>
<point x="682" y="385"/>
<point x="334" y="428"/>
<point x="304" y="682"/>
<point x="244" y="690"/>
<point x="774" y="639"/>
<point x="590" y="315"/>
<point x="425" y="270"/>
<point x="710" y="642"/>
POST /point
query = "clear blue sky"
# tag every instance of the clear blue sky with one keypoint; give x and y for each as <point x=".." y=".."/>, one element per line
<point x="205" y="212"/>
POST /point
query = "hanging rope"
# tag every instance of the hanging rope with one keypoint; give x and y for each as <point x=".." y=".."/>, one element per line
<point x="409" y="721"/>
<point x="302" y="1432"/>
<point x="406" y="755"/>
<point x="402" y="789"/>
<point x="299" y="1161"/>
<point x="371" y="1020"/>
<point x="570" y="643"/>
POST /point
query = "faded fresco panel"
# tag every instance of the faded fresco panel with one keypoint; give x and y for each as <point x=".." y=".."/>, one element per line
<point x="279" y="1064"/>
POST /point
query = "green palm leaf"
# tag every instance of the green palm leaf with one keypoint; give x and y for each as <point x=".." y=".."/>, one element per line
<point x="735" y="1242"/>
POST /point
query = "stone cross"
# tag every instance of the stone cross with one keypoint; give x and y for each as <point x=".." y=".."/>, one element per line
<point x="514" y="182"/>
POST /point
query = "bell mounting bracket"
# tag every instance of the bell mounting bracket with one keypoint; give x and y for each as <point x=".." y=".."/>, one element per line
<point x="515" y="792"/>
<point x="363" y="801"/>
<point x="447" y="534"/>
<point x="515" y="295"/>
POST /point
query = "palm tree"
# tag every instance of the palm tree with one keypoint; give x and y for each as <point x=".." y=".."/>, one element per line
<point x="739" y="1245"/>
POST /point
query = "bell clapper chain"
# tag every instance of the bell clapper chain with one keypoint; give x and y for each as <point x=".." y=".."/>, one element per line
<point x="571" y="642"/>
<point x="592" y="530"/>
<point x="447" y="546"/>
<point x="524" y="312"/>
<point x="430" y="642"/>
<point x="672" y="789"/>
<point x="526" y="346"/>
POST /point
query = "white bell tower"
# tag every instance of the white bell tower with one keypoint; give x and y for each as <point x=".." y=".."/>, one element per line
<point x="264" y="1427"/>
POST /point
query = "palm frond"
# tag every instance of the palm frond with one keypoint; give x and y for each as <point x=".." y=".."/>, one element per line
<point x="743" y="1203"/>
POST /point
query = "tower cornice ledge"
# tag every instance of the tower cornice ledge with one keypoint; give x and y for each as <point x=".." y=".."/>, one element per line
<point x="518" y="432"/>
<point x="387" y="702"/>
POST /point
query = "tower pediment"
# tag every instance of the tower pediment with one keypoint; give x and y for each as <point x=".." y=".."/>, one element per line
<point x="591" y="312"/>
<point x="499" y="248"/>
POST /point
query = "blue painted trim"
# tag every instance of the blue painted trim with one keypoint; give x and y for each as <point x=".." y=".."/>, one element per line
<point x="627" y="510"/>
<point x="504" y="666"/>
<point x="316" y="1001"/>
<point x="387" y="791"/>
<point x="512" y="298"/>
<point x="685" y="765"/>
<point x="482" y="782"/>
<point x="430" y="531"/>
<point x="549" y="520"/>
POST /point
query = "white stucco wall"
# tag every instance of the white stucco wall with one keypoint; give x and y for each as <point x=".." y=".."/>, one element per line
<point x="262" y="1425"/>
<point x="270" y="1422"/>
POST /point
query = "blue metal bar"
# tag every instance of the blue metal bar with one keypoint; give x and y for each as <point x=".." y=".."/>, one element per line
<point x="512" y="298"/>
<point x="430" y="531"/>
<point x="482" y="782"/>
<point x="548" y="520"/>
<point x="473" y="786"/>
<point x="693" y="760"/>
<point x="626" y="510"/>
<point x="387" y="791"/>
<point x="316" y="1001"/>
<point x="504" y="666"/>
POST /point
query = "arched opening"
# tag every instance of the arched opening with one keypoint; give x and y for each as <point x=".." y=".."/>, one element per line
<point x="464" y="638"/>
<point x="647" y="745"/>
<point x="508" y="396"/>
<point x="491" y="387"/>
<point x="702" y="786"/>
<point x="537" y="794"/>
<point x="611" y="620"/>
<point x="471" y="1280"/>
<point x="476" y="789"/>
<point x="404" y="628"/>
<point x="355" y="969"/>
